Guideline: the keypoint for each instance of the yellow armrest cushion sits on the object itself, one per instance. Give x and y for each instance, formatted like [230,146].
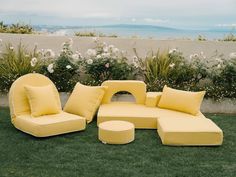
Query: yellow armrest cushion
[152,98]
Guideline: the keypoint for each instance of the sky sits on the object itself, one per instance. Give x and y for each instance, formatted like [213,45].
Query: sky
[185,14]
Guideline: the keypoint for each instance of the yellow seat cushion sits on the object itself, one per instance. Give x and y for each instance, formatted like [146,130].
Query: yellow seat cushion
[116,132]
[50,125]
[143,117]
[85,100]
[140,115]
[42,100]
[184,101]
[189,132]
[152,99]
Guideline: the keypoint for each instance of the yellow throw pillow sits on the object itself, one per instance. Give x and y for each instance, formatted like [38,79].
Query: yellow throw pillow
[42,100]
[184,101]
[85,100]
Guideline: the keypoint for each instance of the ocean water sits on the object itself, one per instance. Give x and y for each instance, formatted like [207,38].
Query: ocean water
[143,31]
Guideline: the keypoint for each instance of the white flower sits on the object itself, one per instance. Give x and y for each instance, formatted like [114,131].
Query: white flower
[232,55]
[172,51]
[218,66]
[89,61]
[91,52]
[75,56]
[33,61]
[105,49]
[50,68]
[172,65]
[105,55]
[95,39]
[115,50]
[107,65]
[135,59]
[195,55]
[68,67]
[111,46]
[11,48]
[191,57]
[99,56]
[50,53]
[219,60]
[104,44]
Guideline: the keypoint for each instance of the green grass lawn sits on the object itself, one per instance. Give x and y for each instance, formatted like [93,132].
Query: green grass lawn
[81,154]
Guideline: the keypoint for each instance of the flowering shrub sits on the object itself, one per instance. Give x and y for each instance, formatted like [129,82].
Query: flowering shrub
[216,74]
[17,62]
[64,71]
[107,62]
[171,68]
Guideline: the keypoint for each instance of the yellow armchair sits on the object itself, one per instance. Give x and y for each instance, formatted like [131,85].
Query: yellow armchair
[45,125]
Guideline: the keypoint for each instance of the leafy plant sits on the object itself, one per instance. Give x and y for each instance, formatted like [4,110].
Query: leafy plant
[16,28]
[17,62]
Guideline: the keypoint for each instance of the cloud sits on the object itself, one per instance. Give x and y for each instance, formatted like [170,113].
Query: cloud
[153,21]
[227,25]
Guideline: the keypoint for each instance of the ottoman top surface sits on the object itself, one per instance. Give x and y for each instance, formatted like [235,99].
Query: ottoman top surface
[116,125]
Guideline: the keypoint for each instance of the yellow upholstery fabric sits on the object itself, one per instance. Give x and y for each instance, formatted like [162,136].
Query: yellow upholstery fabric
[116,132]
[85,100]
[42,126]
[50,125]
[189,132]
[141,116]
[189,102]
[136,88]
[42,100]
[152,98]
[18,100]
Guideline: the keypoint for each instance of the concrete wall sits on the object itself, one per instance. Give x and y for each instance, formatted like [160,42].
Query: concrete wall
[142,45]
[226,106]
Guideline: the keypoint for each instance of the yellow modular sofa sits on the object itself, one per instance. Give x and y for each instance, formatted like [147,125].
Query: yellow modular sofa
[44,125]
[174,127]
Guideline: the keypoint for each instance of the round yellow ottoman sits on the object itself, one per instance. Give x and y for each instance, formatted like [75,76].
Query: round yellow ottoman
[116,132]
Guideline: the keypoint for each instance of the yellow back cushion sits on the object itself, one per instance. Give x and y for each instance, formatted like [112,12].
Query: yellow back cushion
[184,101]
[43,100]
[84,101]
[18,101]
[136,88]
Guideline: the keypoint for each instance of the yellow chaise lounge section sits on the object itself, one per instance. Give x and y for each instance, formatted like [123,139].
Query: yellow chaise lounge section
[143,113]
[45,125]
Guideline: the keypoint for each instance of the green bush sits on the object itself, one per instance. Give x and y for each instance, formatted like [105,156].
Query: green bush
[16,28]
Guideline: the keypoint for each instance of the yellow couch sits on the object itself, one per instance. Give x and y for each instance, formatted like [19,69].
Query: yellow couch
[145,114]
[42,126]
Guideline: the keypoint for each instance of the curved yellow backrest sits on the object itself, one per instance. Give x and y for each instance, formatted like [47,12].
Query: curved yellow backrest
[18,101]
[136,88]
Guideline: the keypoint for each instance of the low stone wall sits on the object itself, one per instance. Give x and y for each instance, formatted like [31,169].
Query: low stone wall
[225,106]
[127,44]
